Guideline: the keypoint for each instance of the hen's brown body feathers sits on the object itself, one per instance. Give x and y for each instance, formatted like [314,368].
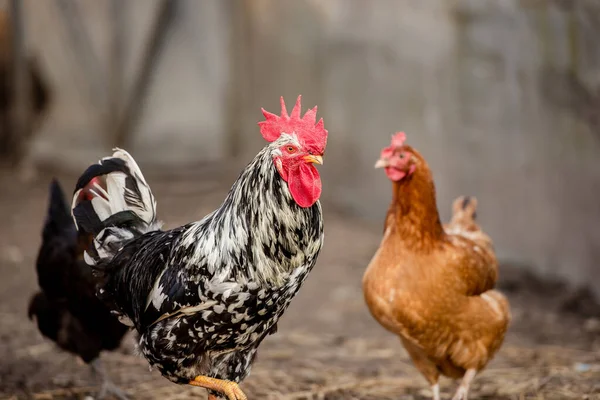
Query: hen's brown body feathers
[432,284]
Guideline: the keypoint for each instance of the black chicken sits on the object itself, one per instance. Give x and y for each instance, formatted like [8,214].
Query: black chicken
[203,296]
[66,309]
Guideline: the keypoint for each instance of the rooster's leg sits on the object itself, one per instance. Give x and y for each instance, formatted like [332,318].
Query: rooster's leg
[107,387]
[229,389]
[463,389]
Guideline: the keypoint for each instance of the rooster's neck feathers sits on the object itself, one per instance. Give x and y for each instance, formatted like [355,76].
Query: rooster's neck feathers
[258,225]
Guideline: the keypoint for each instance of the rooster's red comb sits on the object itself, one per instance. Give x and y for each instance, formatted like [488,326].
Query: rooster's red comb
[306,128]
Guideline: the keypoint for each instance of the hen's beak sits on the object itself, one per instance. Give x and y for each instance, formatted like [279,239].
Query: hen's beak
[313,159]
[382,163]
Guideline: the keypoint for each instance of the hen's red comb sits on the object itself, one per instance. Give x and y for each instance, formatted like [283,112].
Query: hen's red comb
[314,135]
[398,139]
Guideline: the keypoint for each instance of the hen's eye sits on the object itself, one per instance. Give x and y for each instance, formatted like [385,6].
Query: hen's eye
[401,155]
[291,149]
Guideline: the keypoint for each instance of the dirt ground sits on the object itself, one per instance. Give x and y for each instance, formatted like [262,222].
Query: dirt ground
[327,347]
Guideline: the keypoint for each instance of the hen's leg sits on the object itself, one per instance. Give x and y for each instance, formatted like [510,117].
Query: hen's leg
[229,389]
[463,390]
[425,366]
[107,387]
[436,391]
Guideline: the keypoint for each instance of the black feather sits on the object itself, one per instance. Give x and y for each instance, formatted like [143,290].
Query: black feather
[105,167]
[87,219]
[145,257]
[125,218]
[58,218]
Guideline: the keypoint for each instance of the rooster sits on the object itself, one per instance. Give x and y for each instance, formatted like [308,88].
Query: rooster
[203,296]
[66,308]
[433,285]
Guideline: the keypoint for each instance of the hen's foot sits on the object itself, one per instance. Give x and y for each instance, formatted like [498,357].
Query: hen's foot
[463,390]
[229,389]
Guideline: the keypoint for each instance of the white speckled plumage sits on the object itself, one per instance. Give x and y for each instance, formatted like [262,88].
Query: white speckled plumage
[203,296]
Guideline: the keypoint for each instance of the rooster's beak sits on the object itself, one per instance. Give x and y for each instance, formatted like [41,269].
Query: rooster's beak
[313,159]
[382,163]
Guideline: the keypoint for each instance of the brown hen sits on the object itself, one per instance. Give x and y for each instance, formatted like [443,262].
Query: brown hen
[433,284]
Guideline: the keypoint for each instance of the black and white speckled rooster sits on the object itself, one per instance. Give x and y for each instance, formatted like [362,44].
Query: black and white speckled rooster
[203,296]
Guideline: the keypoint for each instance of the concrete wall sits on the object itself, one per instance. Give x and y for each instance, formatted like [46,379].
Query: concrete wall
[183,118]
[501,96]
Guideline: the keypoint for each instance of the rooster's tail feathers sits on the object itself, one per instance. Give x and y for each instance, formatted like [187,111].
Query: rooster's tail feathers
[113,202]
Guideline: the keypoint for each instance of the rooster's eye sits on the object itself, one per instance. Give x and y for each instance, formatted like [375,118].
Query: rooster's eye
[401,155]
[291,149]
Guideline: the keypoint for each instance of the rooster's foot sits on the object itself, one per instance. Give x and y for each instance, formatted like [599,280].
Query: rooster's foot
[228,389]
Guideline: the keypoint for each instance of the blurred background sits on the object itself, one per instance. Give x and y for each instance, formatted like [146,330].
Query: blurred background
[502,97]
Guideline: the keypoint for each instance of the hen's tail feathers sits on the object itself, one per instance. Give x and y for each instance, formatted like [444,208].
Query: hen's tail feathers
[464,212]
[58,219]
[113,202]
